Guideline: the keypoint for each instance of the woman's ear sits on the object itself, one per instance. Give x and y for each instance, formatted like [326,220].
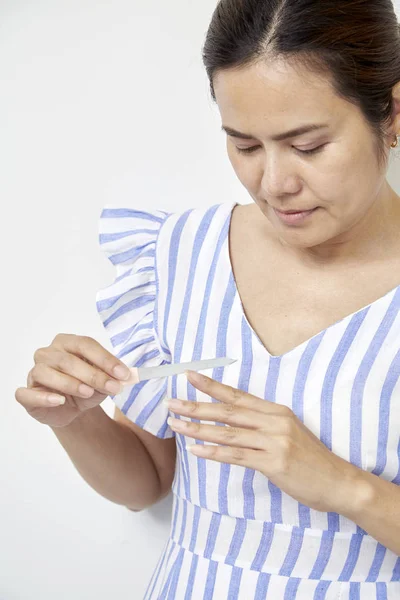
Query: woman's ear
[395,128]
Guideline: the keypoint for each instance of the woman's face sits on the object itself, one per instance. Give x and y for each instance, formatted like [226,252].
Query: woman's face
[340,175]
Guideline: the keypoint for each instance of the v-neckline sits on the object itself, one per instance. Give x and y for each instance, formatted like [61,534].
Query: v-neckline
[244,317]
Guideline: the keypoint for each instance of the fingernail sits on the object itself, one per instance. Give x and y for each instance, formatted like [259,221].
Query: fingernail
[122,372]
[113,387]
[172,403]
[85,390]
[56,400]
[194,377]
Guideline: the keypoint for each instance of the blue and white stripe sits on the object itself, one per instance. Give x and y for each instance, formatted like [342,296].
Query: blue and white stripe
[234,534]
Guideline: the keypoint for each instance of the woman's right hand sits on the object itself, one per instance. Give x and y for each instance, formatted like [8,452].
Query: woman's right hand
[77,369]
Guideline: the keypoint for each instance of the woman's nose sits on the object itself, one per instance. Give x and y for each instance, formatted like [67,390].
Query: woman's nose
[279,178]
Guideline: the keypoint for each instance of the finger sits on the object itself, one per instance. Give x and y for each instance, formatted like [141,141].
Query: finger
[280,423]
[83,371]
[219,413]
[244,457]
[88,348]
[234,396]
[228,436]
[59,382]
[30,398]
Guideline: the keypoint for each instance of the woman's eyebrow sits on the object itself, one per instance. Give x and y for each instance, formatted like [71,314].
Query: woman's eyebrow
[276,138]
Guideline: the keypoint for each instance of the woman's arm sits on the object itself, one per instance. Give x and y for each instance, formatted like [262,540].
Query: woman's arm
[111,459]
[374,504]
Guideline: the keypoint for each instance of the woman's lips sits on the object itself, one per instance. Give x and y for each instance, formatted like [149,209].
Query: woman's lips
[294,218]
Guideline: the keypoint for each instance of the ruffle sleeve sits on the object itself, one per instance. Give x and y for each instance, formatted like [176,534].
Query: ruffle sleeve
[127,308]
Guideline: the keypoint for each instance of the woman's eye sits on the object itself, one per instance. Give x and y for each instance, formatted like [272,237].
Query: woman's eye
[254,148]
[247,150]
[312,151]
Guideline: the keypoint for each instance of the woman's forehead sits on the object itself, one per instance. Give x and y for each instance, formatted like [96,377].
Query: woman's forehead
[266,95]
[277,85]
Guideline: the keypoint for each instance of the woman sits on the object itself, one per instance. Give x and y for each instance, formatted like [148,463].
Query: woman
[291,489]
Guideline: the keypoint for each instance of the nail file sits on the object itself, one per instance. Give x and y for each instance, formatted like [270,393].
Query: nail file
[145,373]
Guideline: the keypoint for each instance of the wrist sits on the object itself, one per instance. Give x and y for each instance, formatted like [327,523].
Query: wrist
[356,492]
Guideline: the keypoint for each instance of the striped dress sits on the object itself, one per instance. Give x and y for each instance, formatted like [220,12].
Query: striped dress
[234,534]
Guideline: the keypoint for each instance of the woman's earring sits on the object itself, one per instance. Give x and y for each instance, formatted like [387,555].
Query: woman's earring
[395,143]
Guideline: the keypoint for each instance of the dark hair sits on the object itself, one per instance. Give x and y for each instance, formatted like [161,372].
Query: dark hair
[354,42]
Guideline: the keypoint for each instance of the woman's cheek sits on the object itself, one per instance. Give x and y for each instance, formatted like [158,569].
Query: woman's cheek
[244,172]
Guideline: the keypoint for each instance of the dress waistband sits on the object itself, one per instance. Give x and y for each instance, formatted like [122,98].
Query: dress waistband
[284,550]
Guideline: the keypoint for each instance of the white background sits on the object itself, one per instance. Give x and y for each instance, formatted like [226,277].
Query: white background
[99,102]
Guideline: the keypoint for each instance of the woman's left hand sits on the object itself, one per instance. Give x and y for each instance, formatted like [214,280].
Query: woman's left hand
[269,438]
